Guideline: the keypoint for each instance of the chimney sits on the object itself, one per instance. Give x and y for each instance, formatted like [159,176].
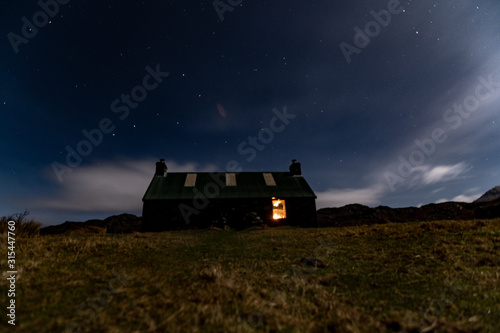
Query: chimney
[295,169]
[161,168]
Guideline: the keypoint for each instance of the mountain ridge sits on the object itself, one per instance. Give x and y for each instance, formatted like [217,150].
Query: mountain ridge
[490,195]
[348,215]
[123,223]
[356,214]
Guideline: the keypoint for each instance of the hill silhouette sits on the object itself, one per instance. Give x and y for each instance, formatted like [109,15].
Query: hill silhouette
[491,195]
[356,214]
[486,207]
[123,223]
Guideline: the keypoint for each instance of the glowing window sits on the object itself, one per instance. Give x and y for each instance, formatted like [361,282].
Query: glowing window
[279,210]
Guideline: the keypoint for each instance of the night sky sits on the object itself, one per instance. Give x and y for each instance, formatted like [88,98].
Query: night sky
[383,103]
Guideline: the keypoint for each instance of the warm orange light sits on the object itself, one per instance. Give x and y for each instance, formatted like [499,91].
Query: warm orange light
[277,216]
[279,211]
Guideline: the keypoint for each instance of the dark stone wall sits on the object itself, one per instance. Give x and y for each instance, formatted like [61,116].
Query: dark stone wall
[163,215]
[160,216]
[301,212]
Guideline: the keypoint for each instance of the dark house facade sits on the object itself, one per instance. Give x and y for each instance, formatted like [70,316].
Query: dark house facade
[197,200]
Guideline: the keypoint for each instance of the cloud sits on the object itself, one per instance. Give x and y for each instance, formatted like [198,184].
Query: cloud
[437,109]
[110,187]
[405,178]
[341,197]
[461,198]
[442,173]
[468,196]
[428,175]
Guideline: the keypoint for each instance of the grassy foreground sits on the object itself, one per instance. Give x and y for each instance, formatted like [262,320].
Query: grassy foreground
[414,277]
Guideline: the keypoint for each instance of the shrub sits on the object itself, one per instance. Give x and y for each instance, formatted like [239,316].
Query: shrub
[24,227]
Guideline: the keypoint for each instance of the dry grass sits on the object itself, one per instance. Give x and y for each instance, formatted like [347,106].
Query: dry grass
[23,227]
[415,277]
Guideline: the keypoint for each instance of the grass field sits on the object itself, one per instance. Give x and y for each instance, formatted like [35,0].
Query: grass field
[414,277]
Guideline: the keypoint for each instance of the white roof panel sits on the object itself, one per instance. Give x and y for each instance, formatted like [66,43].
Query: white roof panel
[230,179]
[269,179]
[190,180]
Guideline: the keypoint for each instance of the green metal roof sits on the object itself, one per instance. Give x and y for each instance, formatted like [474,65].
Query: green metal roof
[248,185]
